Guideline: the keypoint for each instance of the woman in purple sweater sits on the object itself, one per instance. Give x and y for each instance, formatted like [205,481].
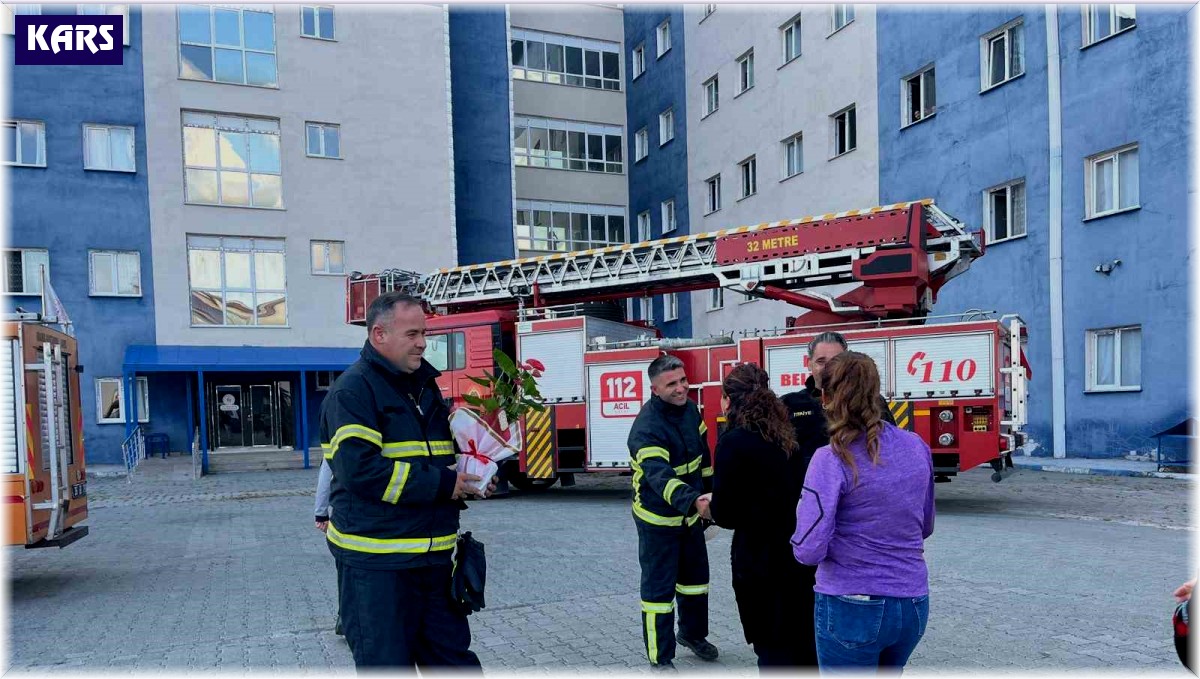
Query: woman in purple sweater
[864,514]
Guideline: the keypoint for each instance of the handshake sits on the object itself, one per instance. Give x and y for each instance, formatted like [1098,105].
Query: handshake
[702,503]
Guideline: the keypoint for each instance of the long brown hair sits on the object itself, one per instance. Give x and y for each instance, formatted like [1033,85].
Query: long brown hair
[754,406]
[851,394]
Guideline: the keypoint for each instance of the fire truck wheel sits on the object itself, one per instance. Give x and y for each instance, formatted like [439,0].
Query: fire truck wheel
[523,482]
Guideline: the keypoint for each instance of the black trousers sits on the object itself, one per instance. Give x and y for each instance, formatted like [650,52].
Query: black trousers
[674,564]
[403,619]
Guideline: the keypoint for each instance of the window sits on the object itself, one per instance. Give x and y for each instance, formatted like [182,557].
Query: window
[664,37]
[647,310]
[641,144]
[639,60]
[25,143]
[227,45]
[1004,211]
[114,273]
[713,184]
[230,160]
[1115,359]
[567,145]
[746,71]
[108,10]
[793,155]
[749,172]
[23,271]
[237,281]
[666,126]
[108,147]
[110,400]
[919,94]
[671,306]
[325,378]
[845,132]
[712,96]
[1112,179]
[842,15]
[1102,21]
[323,140]
[328,257]
[1002,54]
[564,227]
[447,351]
[716,299]
[643,228]
[565,60]
[708,9]
[791,39]
[316,22]
[668,216]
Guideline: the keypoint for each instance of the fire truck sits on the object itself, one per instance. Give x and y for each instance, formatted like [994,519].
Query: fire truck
[41,434]
[873,275]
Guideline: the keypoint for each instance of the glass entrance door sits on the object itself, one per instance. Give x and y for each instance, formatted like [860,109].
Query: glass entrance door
[262,415]
[230,416]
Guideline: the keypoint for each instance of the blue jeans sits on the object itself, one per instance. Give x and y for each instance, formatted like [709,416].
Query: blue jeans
[881,632]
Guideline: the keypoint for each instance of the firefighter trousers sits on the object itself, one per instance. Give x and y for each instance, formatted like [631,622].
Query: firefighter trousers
[674,564]
[402,619]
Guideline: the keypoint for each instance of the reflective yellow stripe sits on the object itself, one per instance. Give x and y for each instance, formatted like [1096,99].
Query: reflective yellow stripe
[405,449]
[358,543]
[652,518]
[651,607]
[348,431]
[703,428]
[644,454]
[707,471]
[395,486]
[689,467]
[441,447]
[692,589]
[651,635]
[691,521]
[672,486]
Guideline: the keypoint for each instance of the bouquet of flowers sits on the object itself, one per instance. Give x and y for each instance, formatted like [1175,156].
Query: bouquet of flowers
[488,429]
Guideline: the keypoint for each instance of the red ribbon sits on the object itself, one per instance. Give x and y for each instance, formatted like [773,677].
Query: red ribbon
[473,452]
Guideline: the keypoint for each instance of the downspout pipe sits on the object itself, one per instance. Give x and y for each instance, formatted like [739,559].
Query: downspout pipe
[1058,390]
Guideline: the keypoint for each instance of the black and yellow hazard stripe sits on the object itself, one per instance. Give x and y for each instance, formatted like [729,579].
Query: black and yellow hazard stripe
[902,412]
[539,444]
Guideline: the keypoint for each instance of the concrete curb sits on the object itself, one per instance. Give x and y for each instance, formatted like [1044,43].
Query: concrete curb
[1100,471]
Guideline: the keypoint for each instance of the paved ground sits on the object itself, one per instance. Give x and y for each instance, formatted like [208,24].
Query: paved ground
[1044,572]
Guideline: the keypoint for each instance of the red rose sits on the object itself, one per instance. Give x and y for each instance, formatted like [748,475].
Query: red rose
[537,373]
[537,365]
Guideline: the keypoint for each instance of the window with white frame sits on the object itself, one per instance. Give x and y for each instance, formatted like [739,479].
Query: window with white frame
[114,273]
[663,35]
[791,39]
[668,216]
[567,145]
[748,169]
[643,228]
[641,144]
[1102,21]
[1112,181]
[716,299]
[745,65]
[712,95]
[639,60]
[23,271]
[108,147]
[793,155]
[231,160]
[713,189]
[323,140]
[666,126]
[110,400]
[316,22]
[565,60]
[328,257]
[647,309]
[1004,211]
[842,15]
[671,306]
[109,10]
[1002,54]
[919,97]
[845,131]
[544,226]
[228,44]
[25,143]
[1114,358]
[237,281]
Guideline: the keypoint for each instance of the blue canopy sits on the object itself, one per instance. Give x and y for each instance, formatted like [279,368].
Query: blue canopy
[142,358]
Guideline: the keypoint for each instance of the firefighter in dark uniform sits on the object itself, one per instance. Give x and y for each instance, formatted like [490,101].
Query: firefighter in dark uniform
[672,468]
[395,498]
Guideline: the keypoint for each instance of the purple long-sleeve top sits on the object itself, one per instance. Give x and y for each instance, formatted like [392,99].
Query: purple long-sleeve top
[869,537]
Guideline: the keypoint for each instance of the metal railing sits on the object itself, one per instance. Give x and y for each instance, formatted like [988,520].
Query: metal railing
[133,451]
[197,459]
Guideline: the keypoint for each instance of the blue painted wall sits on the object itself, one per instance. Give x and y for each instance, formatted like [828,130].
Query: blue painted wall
[479,74]
[1131,88]
[68,211]
[662,175]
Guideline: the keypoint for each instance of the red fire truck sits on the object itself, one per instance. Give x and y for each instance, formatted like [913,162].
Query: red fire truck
[872,275]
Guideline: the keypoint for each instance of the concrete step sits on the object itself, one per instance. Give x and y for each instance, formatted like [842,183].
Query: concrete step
[219,463]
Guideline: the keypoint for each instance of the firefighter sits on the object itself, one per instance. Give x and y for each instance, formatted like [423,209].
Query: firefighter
[395,499]
[672,468]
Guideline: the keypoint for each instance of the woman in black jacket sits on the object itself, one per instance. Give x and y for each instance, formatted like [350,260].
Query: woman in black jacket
[756,487]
